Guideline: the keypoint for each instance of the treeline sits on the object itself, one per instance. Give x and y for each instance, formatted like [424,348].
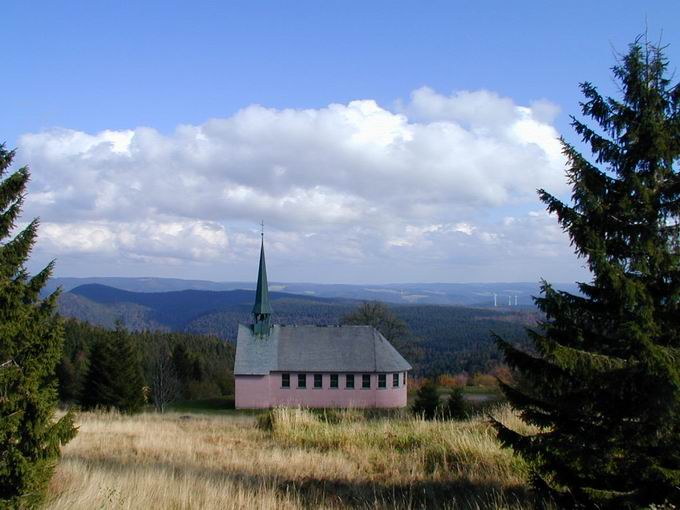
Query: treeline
[224,323]
[126,369]
[443,339]
[459,339]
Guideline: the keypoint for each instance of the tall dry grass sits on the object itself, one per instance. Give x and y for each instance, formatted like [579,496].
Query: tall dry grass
[295,459]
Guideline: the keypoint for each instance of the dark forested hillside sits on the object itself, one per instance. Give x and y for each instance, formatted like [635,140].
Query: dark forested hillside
[203,365]
[458,339]
[449,338]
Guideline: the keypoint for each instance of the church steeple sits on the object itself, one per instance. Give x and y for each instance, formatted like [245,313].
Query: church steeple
[262,311]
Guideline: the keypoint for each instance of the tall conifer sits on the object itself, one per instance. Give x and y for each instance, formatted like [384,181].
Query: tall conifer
[114,378]
[604,380]
[31,340]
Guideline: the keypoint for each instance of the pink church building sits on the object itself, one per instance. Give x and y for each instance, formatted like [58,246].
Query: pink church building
[314,366]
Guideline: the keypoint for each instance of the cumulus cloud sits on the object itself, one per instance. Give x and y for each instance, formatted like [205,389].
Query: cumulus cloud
[351,183]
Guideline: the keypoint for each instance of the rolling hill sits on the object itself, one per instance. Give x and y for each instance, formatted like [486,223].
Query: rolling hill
[462,294]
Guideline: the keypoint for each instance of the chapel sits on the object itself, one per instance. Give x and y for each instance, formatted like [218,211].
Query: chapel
[314,366]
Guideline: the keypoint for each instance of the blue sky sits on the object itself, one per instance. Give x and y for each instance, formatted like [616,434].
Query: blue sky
[93,67]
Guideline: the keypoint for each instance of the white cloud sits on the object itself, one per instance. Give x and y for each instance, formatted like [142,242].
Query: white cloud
[348,183]
[148,239]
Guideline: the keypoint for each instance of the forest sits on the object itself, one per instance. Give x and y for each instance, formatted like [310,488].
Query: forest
[442,338]
[194,366]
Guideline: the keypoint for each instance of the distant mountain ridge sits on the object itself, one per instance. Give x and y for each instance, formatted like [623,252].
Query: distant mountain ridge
[464,294]
[172,310]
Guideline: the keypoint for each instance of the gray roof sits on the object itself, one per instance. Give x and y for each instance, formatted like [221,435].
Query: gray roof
[315,349]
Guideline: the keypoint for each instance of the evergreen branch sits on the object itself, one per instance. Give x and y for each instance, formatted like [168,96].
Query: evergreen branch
[15,252]
[6,157]
[605,150]
[12,189]
[609,498]
[8,218]
[577,361]
[532,366]
[535,411]
[566,216]
[37,282]
[595,106]
[509,437]
[670,476]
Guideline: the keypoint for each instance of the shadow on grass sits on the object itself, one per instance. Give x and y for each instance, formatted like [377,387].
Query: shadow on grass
[315,491]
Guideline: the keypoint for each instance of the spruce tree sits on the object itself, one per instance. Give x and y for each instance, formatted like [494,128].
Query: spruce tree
[603,380]
[99,387]
[31,340]
[455,407]
[426,403]
[114,379]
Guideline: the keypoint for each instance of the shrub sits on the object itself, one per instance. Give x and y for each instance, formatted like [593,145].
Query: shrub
[455,407]
[427,401]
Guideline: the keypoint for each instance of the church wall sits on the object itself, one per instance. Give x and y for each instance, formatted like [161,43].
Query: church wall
[252,391]
[337,397]
[258,391]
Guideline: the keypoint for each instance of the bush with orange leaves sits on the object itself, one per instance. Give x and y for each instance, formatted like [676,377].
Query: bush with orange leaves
[453,381]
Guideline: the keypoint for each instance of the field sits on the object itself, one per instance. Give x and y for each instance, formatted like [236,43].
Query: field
[286,459]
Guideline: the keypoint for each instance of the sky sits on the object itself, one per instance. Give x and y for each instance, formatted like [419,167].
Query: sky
[380,141]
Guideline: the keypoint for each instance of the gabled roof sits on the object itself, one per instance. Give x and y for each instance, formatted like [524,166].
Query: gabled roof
[315,349]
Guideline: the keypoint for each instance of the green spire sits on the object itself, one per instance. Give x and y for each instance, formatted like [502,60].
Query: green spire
[262,309]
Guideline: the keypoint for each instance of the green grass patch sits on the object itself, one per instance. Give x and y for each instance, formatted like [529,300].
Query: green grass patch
[481,390]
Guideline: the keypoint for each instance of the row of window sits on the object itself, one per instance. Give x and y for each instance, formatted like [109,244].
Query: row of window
[349,381]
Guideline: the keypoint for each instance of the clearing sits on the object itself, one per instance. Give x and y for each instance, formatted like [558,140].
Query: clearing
[288,459]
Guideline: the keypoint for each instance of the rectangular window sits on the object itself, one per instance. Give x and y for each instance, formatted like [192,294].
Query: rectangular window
[334,380]
[318,381]
[382,380]
[366,381]
[404,379]
[285,380]
[302,381]
[395,380]
[349,381]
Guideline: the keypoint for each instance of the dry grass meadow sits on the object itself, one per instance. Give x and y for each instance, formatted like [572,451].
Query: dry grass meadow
[289,459]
